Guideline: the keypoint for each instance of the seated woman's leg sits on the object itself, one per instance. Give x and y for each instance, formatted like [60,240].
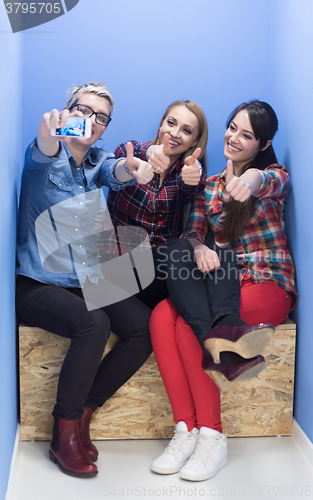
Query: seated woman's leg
[172,370]
[129,319]
[210,454]
[205,393]
[263,303]
[187,288]
[63,312]
[181,447]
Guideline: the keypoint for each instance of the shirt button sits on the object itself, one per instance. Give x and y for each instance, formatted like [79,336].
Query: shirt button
[80,246]
[80,202]
[84,263]
[152,234]
[76,216]
[76,229]
[80,187]
[60,184]
[78,168]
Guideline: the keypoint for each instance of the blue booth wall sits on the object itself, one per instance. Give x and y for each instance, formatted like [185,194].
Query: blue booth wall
[11,165]
[292,76]
[215,53]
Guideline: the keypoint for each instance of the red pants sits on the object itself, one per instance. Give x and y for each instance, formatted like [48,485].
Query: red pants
[194,397]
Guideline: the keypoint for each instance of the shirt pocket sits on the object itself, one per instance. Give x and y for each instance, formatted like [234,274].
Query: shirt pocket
[213,208]
[57,189]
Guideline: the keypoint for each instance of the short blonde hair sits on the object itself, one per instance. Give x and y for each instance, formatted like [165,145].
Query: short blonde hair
[98,88]
[203,129]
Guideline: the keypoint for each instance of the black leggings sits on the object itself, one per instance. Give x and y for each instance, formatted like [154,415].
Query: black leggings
[85,379]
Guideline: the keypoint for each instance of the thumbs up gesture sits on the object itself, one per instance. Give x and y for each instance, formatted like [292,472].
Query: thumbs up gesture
[158,156]
[140,169]
[237,187]
[192,170]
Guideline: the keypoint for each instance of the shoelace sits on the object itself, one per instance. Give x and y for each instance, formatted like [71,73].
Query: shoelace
[204,448]
[179,439]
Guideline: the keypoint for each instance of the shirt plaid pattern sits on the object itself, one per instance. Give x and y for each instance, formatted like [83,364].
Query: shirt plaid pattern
[157,206]
[262,250]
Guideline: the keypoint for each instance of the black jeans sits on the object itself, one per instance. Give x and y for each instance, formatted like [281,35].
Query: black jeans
[157,290]
[202,299]
[85,379]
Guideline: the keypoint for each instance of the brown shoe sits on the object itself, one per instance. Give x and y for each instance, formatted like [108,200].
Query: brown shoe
[84,433]
[247,341]
[70,455]
[225,374]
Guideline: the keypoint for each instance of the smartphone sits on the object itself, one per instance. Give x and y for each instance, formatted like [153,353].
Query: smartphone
[75,127]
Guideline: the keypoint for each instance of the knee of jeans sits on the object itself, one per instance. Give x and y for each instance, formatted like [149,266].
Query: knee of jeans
[94,324]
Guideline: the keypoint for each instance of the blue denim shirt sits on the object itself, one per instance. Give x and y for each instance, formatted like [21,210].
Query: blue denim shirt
[57,187]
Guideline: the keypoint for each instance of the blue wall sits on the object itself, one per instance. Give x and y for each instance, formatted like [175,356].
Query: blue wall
[292,76]
[149,57]
[11,164]
[216,53]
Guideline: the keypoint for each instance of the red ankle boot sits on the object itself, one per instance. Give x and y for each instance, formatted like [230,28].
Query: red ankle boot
[84,433]
[66,450]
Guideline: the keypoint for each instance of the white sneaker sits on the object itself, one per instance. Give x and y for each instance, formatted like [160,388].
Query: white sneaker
[209,456]
[179,449]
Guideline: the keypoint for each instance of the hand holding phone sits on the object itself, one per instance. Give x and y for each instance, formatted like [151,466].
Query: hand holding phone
[75,127]
[47,143]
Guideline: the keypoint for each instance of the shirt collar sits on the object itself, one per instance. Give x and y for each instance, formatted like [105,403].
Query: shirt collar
[223,174]
[91,156]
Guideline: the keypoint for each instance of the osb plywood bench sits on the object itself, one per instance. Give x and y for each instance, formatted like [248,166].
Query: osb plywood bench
[261,406]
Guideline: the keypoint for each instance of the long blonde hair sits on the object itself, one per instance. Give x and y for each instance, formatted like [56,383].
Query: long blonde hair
[203,130]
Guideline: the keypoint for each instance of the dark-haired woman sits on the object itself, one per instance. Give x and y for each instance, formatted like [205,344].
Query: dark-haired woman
[248,281]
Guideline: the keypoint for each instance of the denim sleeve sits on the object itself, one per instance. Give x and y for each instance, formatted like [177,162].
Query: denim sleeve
[106,175]
[36,160]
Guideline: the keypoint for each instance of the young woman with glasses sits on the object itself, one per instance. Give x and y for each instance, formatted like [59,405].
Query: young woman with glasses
[60,185]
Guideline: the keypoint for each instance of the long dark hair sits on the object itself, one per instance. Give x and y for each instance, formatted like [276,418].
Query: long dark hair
[264,123]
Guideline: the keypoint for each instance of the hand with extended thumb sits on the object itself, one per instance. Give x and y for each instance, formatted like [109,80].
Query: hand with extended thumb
[237,187]
[140,169]
[192,170]
[158,155]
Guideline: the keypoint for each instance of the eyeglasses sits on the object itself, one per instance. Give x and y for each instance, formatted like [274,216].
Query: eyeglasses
[87,112]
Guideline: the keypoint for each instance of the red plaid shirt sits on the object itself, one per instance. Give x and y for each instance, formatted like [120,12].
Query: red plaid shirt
[157,206]
[262,250]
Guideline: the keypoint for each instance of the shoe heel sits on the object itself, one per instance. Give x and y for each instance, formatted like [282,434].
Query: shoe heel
[211,345]
[52,457]
[248,346]
[220,380]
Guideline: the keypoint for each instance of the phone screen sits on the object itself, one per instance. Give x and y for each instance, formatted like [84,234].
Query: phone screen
[75,126]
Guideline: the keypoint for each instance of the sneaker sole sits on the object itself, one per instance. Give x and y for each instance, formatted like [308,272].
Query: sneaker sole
[167,471]
[190,477]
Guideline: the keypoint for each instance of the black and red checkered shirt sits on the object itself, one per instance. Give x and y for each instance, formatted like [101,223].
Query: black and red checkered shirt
[157,206]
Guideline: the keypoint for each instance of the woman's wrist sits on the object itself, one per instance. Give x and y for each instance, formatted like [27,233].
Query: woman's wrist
[126,168]
[120,173]
[252,178]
